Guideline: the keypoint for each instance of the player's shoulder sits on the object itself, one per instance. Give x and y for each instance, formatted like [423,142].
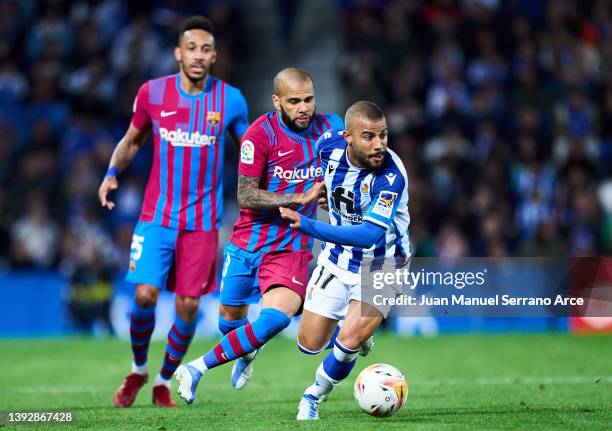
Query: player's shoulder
[393,173]
[230,90]
[160,81]
[163,79]
[261,130]
[330,140]
[157,85]
[261,121]
[331,121]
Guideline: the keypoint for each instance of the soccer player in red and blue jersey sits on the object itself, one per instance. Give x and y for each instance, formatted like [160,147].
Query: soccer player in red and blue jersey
[278,167]
[175,241]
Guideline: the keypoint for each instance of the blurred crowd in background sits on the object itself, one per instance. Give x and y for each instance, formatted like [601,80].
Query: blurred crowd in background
[500,110]
[502,113]
[69,72]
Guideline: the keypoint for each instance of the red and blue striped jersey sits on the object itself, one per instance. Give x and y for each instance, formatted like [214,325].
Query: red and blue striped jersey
[286,162]
[185,187]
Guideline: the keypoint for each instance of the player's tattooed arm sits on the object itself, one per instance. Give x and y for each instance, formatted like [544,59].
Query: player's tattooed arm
[124,153]
[250,196]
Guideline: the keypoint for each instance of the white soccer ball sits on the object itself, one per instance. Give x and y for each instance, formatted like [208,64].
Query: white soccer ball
[380,390]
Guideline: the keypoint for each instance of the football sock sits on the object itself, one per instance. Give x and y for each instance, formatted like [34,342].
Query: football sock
[332,340]
[330,344]
[308,351]
[159,380]
[142,323]
[244,340]
[179,337]
[336,366]
[226,326]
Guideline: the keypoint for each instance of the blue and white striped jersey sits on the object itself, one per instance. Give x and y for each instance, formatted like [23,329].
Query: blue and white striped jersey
[359,194]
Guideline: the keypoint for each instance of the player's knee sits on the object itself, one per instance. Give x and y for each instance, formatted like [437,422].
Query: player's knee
[228,325]
[187,307]
[146,295]
[231,312]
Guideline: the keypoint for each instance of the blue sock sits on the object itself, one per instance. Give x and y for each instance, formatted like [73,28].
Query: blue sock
[226,326]
[247,338]
[332,340]
[336,366]
[142,324]
[179,338]
[339,362]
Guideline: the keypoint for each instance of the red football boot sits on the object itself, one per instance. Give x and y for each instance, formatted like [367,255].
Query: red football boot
[126,394]
[161,397]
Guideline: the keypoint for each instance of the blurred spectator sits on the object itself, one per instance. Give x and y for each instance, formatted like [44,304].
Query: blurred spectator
[35,236]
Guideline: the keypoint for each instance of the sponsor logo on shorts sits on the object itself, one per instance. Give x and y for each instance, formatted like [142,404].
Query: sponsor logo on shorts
[309,293]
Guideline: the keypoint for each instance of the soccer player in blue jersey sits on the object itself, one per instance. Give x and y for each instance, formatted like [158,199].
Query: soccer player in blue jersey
[367,189]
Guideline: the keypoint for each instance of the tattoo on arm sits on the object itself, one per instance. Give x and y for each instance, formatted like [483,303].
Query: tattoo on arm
[250,196]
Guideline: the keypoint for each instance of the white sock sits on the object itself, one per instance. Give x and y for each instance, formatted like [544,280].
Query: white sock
[140,369]
[199,364]
[250,356]
[159,380]
[323,384]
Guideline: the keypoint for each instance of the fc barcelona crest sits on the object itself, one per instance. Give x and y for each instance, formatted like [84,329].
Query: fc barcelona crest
[213,118]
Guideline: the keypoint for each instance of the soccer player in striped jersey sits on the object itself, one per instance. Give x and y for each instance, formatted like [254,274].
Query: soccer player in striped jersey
[175,241]
[265,257]
[368,209]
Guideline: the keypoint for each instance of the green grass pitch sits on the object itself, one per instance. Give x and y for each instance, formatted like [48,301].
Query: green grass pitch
[455,382]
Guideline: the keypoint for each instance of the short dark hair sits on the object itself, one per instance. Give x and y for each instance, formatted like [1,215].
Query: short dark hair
[363,109]
[197,22]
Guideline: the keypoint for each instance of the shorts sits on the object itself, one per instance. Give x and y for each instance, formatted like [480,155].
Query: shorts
[248,275]
[329,297]
[180,261]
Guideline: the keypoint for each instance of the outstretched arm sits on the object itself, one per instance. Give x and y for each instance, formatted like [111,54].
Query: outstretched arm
[124,153]
[363,235]
[250,196]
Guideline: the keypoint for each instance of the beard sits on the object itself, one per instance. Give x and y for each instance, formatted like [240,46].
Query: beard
[194,79]
[292,125]
[366,162]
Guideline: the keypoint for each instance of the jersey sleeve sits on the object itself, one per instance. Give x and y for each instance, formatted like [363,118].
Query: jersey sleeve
[254,152]
[240,119]
[141,117]
[387,192]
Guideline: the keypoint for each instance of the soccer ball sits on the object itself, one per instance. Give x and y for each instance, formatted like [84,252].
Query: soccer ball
[380,390]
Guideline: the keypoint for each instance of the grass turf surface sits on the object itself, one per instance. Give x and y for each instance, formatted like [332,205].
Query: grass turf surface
[455,382]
